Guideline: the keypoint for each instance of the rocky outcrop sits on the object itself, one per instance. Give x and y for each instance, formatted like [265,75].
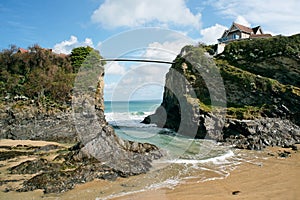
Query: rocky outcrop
[259,133]
[99,152]
[98,138]
[213,98]
[56,168]
[28,122]
[51,168]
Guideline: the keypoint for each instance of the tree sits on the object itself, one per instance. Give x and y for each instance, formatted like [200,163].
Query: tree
[41,74]
[85,57]
[78,56]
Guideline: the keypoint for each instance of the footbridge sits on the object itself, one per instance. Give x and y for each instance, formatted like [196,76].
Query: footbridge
[137,60]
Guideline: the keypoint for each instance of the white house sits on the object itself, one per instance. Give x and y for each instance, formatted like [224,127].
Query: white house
[239,32]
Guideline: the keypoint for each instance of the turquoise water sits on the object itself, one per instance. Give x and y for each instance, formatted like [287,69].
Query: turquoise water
[126,118]
[131,106]
[129,114]
[184,158]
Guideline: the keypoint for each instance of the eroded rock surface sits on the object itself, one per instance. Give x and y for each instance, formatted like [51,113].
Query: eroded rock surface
[98,152]
[234,98]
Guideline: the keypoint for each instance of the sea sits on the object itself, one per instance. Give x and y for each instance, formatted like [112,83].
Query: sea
[185,159]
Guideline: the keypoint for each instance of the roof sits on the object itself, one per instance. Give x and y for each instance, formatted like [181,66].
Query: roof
[225,33]
[243,28]
[21,50]
[255,29]
[62,55]
[260,35]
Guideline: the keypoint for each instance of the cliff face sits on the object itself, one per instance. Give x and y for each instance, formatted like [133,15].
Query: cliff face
[98,153]
[84,122]
[245,93]
[99,139]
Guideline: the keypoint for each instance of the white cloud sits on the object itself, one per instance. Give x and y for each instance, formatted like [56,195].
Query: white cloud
[88,42]
[108,90]
[241,20]
[211,34]
[141,76]
[67,45]
[281,17]
[133,13]
[110,86]
[166,51]
[114,68]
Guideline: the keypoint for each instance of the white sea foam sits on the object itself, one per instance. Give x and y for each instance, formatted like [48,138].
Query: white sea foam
[169,183]
[191,169]
[215,160]
[120,194]
[213,179]
[127,119]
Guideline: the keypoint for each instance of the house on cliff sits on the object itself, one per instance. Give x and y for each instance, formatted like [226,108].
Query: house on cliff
[239,32]
[21,50]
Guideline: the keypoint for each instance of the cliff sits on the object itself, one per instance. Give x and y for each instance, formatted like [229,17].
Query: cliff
[98,152]
[248,96]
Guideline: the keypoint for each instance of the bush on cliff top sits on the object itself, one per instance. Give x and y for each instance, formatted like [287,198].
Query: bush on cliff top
[251,50]
[41,74]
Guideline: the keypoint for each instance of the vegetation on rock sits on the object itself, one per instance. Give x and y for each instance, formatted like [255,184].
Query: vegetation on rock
[276,57]
[42,75]
[261,77]
[261,81]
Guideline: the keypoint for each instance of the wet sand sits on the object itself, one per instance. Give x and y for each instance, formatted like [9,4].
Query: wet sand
[274,178]
[277,178]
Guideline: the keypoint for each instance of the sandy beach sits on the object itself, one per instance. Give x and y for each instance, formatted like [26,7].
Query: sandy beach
[277,178]
[271,177]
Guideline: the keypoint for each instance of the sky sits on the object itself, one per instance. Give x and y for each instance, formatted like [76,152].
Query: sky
[151,29]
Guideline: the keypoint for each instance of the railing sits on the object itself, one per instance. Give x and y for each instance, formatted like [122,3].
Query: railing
[137,60]
[229,38]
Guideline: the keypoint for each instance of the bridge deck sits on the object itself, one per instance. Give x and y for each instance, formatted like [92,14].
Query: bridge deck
[137,60]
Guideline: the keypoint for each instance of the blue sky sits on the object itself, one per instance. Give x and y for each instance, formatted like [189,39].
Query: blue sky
[65,24]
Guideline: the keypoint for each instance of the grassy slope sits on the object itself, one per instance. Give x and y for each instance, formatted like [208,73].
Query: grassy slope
[261,78]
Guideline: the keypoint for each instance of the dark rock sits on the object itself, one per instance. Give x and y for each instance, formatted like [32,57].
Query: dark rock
[48,148]
[6,155]
[35,166]
[294,148]
[3,182]
[56,177]
[110,176]
[167,132]
[236,192]
[127,185]
[75,147]
[269,132]
[6,147]
[37,126]
[284,154]
[61,181]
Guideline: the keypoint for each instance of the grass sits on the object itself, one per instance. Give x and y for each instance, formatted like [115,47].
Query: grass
[247,112]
